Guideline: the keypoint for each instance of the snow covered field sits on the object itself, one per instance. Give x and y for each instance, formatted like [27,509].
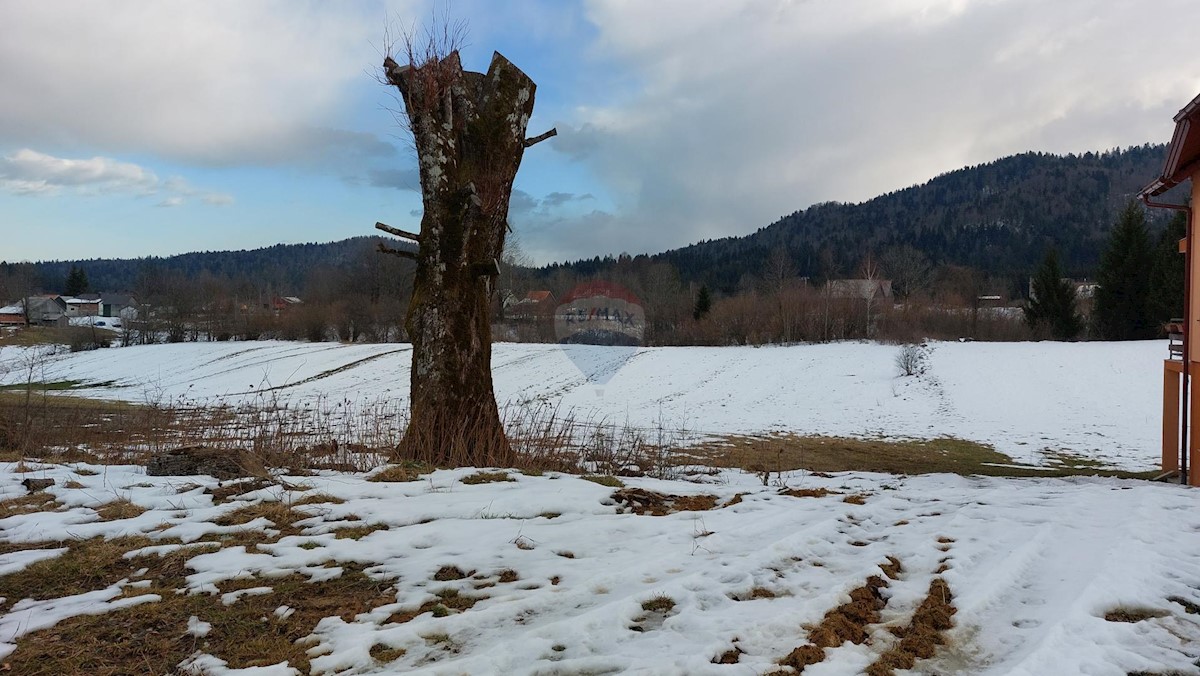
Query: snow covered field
[556,574]
[559,579]
[1097,400]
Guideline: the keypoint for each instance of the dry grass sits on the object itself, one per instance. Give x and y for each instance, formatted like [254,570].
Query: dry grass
[358,532]
[659,604]
[152,638]
[277,513]
[121,508]
[603,480]
[87,565]
[38,501]
[486,478]
[790,452]
[319,499]
[407,471]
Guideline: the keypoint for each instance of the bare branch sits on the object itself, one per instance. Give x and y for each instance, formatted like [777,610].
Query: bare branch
[541,137]
[403,253]
[398,232]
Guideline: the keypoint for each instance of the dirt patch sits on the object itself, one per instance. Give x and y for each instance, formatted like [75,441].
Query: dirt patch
[731,656]
[847,622]
[1132,615]
[644,502]
[735,500]
[892,568]
[807,492]
[923,634]
[447,573]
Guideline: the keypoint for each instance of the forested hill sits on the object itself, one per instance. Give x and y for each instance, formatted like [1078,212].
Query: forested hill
[284,268]
[998,217]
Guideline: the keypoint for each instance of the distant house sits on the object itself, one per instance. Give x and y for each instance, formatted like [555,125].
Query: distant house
[285,303]
[12,315]
[118,305]
[535,305]
[867,289]
[82,307]
[43,311]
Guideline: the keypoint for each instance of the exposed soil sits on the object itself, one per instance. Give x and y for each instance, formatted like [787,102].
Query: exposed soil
[644,502]
[923,634]
[847,622]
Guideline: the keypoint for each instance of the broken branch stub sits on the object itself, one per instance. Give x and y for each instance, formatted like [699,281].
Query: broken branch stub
[469,132]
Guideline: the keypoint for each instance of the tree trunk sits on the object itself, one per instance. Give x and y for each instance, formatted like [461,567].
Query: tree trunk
[469,133]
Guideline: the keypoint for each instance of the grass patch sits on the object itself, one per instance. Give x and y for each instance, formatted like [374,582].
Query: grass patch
[659,604]
[277,513]
[406,471]
[120,509]
[152,638]
[38,501]
[604,480]
[358,532]
[789,452]
[319,499]
[87,565]
[486,478]
[53,386]
[386,654]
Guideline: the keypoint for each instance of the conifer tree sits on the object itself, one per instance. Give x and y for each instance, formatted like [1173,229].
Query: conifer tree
[1051,308]
[77,282]
[1167,273]
[1122,310]
[703,303]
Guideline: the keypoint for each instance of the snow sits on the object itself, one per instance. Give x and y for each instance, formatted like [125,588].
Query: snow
[1097,400]
[1033,566]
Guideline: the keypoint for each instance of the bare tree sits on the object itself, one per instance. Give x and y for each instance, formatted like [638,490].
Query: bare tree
[468,131]
[908,268]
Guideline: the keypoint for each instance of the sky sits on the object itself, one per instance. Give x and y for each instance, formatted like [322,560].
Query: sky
[155,127]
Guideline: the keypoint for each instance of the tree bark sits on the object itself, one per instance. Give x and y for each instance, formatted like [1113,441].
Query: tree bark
[469,133]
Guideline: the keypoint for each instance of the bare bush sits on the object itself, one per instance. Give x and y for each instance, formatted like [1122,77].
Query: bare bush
[911,360]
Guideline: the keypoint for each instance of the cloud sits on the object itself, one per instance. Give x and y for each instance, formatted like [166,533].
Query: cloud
[29,172]
[216,199]
[733,114]
[403,179]
[557,199]
[221,82]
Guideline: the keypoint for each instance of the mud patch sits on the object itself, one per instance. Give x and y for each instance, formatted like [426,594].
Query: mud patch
[923,634]
[847,622]
[643,502]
